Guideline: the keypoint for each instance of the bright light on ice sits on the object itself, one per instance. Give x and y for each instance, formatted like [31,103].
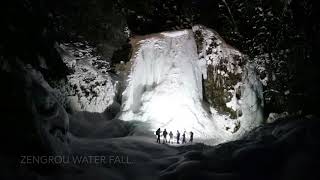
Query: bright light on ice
[165,88]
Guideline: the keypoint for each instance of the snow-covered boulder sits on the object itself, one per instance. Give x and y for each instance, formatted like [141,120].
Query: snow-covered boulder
[50,119]
[89,87]
[231,85]
[275,116]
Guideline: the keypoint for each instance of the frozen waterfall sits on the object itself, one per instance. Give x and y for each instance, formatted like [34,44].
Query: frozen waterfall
[165,88]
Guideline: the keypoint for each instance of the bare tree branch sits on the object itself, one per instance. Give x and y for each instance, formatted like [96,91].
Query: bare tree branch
[231,16]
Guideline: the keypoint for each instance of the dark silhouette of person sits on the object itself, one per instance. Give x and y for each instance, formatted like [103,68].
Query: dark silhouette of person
[158,135]
[184,137]
[178,137]
[164,136]
[170,137]
[191,136]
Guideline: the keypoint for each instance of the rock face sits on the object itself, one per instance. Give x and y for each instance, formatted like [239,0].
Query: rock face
[38,122]
[224,66]
[171,76]
[230,83]
[49,116]
[89,87]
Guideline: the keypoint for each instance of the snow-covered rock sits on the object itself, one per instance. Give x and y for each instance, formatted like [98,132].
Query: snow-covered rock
[231,85]
[275,116]
[89,88]
[50,119]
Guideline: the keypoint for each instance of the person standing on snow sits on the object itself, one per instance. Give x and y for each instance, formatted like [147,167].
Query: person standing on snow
[191,137]
[178,137]
[170,137]
[184,137]
[164,136]
[158,135]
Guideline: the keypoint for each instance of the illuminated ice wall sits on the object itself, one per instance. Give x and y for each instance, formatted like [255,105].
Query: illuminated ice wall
[165,88]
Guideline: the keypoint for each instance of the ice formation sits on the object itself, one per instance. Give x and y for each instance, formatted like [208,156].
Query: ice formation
[89,87]
[164,87]
[165,90]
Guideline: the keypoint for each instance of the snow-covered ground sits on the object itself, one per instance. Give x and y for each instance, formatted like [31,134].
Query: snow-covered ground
[165,90]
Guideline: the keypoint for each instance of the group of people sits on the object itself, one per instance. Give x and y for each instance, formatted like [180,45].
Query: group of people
[171,140]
